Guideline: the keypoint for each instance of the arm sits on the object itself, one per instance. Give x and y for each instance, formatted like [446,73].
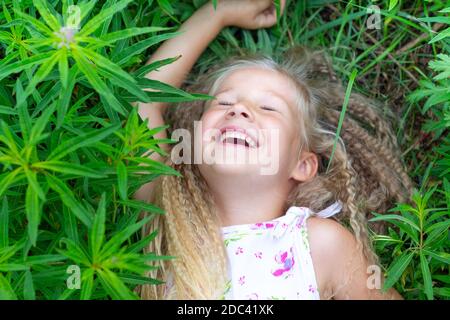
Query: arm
[347,270]
[197,32]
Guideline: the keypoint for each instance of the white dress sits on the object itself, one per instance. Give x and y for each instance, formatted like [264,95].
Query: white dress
[272,259]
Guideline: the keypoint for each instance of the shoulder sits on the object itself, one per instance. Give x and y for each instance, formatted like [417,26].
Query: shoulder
[340,265]
[329,243]
[329,238]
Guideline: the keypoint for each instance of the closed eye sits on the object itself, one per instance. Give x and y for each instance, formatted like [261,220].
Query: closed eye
[225,103]
[268,108]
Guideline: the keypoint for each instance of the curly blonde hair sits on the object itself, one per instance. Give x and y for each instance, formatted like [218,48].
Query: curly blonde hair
[365,174]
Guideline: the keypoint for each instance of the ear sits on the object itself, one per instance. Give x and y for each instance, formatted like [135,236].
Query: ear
[306,167]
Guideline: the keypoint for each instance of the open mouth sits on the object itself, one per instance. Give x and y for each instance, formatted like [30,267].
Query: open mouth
[237,138]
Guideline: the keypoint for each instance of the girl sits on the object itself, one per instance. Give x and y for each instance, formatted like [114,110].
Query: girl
[236,233]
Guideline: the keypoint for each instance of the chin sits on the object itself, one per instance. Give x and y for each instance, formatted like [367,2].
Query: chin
[233,169]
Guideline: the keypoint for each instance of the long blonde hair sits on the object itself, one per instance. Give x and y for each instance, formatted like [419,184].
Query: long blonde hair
[365,174]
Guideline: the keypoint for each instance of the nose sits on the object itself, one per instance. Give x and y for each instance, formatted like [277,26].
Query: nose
[239,109]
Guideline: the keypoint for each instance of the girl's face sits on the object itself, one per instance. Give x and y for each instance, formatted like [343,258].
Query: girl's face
[252,124]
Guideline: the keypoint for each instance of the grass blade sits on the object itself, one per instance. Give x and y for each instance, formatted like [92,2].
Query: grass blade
[344,109]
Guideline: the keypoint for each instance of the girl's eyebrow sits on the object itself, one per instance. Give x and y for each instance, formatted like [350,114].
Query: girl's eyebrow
[223,91]
[271,92]
[277,96]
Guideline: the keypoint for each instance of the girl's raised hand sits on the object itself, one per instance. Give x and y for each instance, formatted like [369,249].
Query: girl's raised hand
[248,14]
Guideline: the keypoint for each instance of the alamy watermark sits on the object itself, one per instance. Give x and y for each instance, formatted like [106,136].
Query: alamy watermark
[374,19]
[73,281]
[215,146]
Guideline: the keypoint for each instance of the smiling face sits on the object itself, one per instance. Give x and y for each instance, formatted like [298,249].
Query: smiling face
[254,116]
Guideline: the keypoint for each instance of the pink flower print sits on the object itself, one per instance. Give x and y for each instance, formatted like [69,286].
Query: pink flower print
[258,255]
[300,222]
[311,288]
[239,250]
[285,260]
[253,296]
[263,225]
[242,280]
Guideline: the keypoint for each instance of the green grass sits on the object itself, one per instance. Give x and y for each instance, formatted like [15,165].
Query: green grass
[70,141]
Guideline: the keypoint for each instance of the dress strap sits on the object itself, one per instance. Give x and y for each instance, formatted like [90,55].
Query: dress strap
[329,211]
[295,216]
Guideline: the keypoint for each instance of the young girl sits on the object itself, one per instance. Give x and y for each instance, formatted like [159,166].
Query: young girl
[299,232]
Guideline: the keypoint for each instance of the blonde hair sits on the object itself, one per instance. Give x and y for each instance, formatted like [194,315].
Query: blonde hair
[365,174]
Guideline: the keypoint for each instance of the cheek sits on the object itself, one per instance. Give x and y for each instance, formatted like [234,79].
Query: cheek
[208,125]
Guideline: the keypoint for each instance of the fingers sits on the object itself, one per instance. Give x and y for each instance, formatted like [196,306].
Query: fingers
[263,5]
[266,19]
[271,10]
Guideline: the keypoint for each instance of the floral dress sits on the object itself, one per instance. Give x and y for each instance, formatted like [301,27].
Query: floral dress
[272,260]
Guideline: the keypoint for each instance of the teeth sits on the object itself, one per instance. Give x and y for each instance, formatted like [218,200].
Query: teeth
[238,135]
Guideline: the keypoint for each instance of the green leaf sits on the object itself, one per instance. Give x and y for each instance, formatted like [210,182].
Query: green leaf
[35,23]
[440,36]
[23,64]
[89,70]
[122,180]
[440,256]
[97,232]
[142,205]
[97,21]
[42,72]
[33,211]
[443,292]
[34,184]
[87,284]
[41,123]
[28,287]
[10,178]
[392,4]
[22,111]
[43,259]
[439,226]
[143,243]
[138,280]
[389,217]
[75,252]
[45,13]
[426,276]
[116,241]
[4,224]
[70,224]
[83,140]
[6,291]
[7,137]
[141,46]
[69,168]
[63,66]
[161,86]
[8,267]
[397,268]
[154,66]
[114,286]
[128,33]
[154,166]
[69,200]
